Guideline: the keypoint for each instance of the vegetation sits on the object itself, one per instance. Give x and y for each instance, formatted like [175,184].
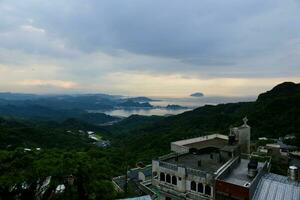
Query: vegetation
[38,112]
[65,150]
[32,151]
[274,114]
[22,171]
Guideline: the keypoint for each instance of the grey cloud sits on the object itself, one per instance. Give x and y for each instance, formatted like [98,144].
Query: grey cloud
[207,35]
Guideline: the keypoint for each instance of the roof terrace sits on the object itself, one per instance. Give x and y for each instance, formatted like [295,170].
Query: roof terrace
[204,162]
[239,174]
[213,140]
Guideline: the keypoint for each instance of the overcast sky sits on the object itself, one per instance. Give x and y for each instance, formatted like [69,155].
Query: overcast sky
[153,47]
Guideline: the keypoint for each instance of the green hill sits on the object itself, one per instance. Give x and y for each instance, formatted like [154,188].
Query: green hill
[66,150]
[274,114]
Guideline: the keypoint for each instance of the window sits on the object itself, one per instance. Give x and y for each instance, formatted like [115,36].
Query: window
[207,190]
[174,180]
[168,178]
[168,198]
[200,187]
[162,177]
[193,185]
[154,174]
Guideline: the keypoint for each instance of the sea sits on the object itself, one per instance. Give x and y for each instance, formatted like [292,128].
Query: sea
[189,103]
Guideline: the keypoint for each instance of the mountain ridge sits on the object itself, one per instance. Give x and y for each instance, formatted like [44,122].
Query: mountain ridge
[275,116]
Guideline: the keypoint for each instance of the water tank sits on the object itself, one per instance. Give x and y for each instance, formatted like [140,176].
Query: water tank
[231,139]
[252,168]
[293,173]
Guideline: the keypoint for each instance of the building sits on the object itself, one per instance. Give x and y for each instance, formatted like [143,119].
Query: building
[209,167]
[279,148]
[146,197]
[217,166]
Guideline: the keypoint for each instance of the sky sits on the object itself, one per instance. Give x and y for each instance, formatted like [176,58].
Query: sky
[149,47]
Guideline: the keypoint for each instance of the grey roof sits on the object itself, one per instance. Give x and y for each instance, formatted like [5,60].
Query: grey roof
[230,148]
[147,197]
[190,160]
[277,187]
[239,175]
[285,146]
[134,173]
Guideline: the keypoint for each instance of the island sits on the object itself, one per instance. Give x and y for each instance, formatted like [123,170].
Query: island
[197,94]
[140,99]
[133,104]
[175,107]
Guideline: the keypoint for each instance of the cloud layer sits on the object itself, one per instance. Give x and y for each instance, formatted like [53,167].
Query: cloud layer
[124,46]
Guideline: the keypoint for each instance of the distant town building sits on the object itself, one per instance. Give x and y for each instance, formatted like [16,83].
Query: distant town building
[289,137]
[280,148]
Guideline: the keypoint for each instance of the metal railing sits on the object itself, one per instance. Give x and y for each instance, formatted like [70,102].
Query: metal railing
[168,165]
[167,156]
[196,172]
[192,195]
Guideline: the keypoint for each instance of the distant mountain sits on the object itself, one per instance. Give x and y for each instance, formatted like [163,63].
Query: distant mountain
[61,107]
[37,112]
[197,94]
[275,113]
[134,104]
[175,107]
[17,96]
[141,99]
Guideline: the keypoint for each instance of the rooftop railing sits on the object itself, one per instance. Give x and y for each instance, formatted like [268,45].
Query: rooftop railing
[167,156]
[196,172]
[168,165]
[189,171]
[199,139]
[194,195]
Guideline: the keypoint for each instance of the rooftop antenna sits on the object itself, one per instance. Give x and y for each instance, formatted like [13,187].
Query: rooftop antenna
[245,120]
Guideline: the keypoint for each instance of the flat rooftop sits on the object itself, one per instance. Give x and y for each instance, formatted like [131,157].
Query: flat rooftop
[239,175]
[200,139]
[215,142]
[190,160]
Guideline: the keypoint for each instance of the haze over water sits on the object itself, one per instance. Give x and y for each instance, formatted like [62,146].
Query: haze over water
[189,102]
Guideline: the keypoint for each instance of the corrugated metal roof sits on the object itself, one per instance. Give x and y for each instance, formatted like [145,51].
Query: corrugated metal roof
[147,197]
[277,187]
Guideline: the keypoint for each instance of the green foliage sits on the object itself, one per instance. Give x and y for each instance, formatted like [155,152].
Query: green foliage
[275,114]
[65,151]
[16,133]
[91,169]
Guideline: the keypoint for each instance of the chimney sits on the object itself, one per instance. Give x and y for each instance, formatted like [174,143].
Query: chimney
[231,140]
[232,136]
[252,168]
[293,173]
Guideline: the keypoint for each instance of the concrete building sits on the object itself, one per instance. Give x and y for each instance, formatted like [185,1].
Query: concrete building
[207,167]
[216,166]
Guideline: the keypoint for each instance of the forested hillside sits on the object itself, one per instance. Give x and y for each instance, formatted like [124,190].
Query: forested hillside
[66,151]
[274,114]
[33,151]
